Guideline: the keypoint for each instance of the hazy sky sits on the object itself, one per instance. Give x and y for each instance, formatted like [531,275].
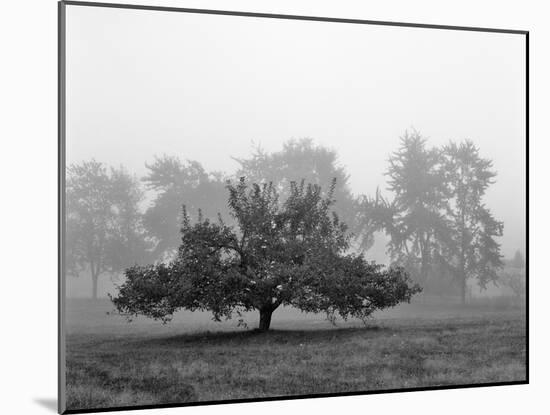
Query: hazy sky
[205,87]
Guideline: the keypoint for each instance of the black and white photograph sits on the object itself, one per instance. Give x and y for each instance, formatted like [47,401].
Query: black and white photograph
[258,207]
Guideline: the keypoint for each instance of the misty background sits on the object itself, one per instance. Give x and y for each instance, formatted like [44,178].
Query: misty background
[142,84]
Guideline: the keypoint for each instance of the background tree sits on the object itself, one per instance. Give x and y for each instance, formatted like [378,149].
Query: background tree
[513,275]
[290,253]
[413,220]
[470,249]
[176,183]
[518,261]
[302,159]
[104,232]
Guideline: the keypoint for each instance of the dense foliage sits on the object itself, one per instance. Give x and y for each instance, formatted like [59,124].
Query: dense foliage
[292,253]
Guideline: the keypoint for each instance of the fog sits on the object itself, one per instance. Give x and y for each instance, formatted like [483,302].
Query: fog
[209,88]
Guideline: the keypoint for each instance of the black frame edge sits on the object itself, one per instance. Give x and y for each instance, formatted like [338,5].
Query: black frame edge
[527,276]
[292,17]
[293,397]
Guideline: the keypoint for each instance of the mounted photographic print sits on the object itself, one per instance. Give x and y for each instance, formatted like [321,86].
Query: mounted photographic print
[259,207]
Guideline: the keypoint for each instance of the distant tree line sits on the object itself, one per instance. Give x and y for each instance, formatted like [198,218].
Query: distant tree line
[436,223]
[94,221]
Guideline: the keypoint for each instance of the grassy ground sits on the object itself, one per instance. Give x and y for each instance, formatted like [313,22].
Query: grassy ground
[113,363]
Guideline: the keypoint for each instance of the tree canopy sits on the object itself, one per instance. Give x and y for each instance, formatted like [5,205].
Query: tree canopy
[278,253]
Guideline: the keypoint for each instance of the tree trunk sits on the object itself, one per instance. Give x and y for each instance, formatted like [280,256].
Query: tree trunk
[265,319]
[94,286]
[463,277]
[463,289]
[424,269]
[424,243]
[463,256]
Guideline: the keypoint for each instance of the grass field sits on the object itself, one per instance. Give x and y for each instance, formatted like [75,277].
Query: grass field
[114,363]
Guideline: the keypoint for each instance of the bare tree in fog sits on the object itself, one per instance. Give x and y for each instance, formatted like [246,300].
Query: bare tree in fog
[178,183]
[104,232]
[470,250]
[280,254]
